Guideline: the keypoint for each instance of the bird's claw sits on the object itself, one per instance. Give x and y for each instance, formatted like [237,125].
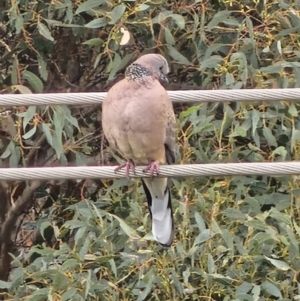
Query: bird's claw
[153,168]
[129,165]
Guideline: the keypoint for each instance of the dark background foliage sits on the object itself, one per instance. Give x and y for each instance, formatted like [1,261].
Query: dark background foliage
[237,238]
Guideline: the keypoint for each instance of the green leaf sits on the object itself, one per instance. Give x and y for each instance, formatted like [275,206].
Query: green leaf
[97,23]
[97,60]
[280,217]
[211,264]
[43,227]
[36,84]
[169,37]
[281,265]
[257,225]
[14,158]
[80,159]
[19,23]
[27,116]
[211,62]
[251,29]
[69,294]
[239,131]
[30,133]
[5,285]
[218,17]
[69,117]
[200,222]
[255,119]
[46,130]
[281,151]
[57,144]
[44,31]
[271,289]
[94,42]
[211,49]
[176,55]
[8,150]
[130,232]
[295,138]
[87,5]
[202,237]
[42,68]
[117,13]
[293,110]
[234,214]
[114,66]
[142,7]
[162,16]
[269,136]
[113,267]
[228,240]
[229,79]
[179,20]
[61,24]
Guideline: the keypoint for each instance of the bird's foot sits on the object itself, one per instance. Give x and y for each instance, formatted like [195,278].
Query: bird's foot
[153,168]
[129,165]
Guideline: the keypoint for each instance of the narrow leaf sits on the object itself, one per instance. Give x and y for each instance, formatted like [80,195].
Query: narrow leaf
[281,265]
[179,20]
[44,31]
[30,133]
[97,23]
[117,13]
[87,5]
[46,130]
[42,68]
[36,84]
[176,55]
[218,17]
[28,116]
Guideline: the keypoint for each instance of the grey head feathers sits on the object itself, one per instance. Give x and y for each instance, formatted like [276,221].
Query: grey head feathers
[154,65]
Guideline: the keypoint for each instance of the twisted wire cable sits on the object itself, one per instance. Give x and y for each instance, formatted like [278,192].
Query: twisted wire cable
[174,171]
[197,96]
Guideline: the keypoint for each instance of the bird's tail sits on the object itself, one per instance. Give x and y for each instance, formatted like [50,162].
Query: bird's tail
[159,201]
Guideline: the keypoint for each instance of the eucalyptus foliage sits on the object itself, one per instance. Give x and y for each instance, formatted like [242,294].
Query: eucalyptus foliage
[237,238]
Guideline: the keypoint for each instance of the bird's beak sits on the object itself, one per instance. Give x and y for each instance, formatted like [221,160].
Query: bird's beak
[164,80]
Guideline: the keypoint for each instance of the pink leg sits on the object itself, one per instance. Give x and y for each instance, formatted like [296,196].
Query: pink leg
[129,165]
[153,168]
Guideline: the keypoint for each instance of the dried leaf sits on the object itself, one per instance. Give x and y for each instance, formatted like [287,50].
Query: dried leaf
[22,89]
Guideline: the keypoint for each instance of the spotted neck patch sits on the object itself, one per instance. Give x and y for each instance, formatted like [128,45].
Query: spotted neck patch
[136,72]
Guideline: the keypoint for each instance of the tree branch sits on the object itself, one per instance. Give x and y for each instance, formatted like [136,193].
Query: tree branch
[6,244]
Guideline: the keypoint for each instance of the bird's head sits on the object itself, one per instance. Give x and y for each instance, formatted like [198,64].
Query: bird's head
[151,65]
